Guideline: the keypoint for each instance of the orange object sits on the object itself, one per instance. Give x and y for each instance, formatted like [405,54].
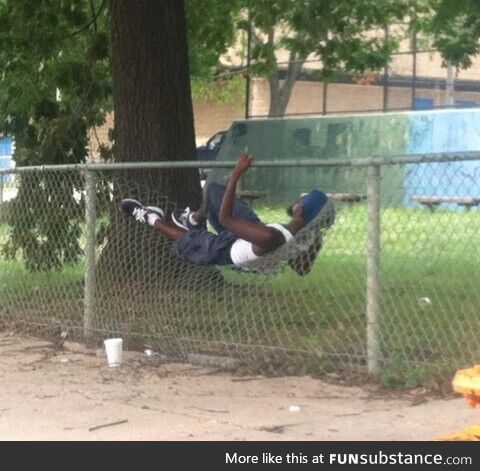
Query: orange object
[470,434]
[467,382]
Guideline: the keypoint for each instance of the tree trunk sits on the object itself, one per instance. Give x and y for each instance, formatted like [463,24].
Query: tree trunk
[279,97]
[280,94]
[153,122]
[153,104]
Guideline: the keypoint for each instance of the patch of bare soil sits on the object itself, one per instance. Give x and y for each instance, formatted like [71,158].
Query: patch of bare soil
[48,392]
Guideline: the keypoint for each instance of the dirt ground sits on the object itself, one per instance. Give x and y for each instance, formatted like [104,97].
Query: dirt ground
[47,393]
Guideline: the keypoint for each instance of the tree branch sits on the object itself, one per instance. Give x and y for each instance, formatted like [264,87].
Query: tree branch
[295,64]
[93,21]
[255,37]
[94,15]
[273,78]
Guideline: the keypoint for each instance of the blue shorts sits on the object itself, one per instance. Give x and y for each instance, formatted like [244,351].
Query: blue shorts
[206,248]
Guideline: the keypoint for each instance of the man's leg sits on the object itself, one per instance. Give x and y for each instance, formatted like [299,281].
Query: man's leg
[200,216]
[198,246]
[170,230]
[204,248]
[152,216]
[188,219]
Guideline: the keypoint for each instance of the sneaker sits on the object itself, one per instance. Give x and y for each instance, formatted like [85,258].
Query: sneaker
[183,219]
[141,213]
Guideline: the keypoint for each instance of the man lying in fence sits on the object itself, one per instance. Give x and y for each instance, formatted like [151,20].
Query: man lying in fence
[241,235]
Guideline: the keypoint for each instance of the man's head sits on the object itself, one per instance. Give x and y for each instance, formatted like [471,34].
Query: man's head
[307,207]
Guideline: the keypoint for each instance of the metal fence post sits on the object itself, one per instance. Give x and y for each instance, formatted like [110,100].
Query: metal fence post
[374,355]
[90,249]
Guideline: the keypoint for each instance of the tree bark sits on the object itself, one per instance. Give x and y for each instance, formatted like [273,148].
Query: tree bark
[280,94]
[153,104]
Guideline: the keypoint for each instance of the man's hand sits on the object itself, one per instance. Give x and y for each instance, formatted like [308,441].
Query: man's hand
[242,165]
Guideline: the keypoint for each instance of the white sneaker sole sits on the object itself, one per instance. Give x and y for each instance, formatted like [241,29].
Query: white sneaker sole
[178,223]
[159,211]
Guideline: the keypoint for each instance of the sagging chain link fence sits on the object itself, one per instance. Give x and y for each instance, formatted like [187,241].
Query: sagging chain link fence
[394,290]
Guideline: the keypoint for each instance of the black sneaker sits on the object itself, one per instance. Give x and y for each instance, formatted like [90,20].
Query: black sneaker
[182,219]
[136,210]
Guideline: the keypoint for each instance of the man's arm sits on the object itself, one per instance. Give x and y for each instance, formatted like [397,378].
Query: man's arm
[262,237]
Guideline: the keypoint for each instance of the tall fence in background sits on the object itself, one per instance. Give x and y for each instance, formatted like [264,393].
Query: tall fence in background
[415,78]
[394,290]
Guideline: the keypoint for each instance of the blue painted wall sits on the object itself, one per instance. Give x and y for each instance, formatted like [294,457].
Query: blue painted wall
[443,131]
[6,156]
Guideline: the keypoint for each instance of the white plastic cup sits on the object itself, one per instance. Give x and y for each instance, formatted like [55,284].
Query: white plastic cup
[113,347]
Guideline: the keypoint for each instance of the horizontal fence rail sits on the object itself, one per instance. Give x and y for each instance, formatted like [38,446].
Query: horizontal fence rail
[354,162]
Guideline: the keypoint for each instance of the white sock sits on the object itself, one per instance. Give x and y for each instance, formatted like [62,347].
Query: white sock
[152,218]
[191,220]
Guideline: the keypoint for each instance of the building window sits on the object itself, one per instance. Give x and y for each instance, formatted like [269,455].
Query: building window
[423,104]
[465,104]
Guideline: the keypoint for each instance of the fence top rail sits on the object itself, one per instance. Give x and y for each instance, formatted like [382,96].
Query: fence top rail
[352,162]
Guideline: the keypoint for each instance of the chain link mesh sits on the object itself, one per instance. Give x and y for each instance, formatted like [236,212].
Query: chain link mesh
[270,319]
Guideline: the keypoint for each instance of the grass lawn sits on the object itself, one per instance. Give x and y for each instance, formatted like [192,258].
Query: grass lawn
[424,255]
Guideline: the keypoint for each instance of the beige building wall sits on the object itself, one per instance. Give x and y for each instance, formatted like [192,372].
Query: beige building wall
[348,97]
[210,117]
[99,136]
[307,97]
[430,64]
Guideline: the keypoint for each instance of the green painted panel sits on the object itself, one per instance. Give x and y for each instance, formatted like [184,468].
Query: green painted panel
[322,137]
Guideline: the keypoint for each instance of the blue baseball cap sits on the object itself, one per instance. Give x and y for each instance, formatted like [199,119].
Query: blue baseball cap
[312,203]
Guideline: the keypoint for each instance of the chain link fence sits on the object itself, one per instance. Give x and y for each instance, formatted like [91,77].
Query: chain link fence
[394,290]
